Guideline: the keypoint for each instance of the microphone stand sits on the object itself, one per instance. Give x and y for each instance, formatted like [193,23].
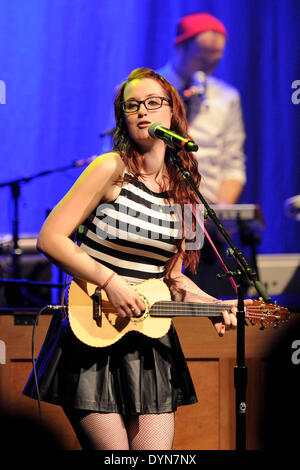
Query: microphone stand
[243,270]
[15,190]
[16,251]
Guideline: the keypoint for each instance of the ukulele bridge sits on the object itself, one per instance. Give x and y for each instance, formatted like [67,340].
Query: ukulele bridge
[97,306]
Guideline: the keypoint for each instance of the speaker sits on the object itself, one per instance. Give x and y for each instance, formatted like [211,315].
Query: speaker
[33,267]
[280,274]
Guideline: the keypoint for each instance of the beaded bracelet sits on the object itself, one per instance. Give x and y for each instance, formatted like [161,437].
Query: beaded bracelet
[108,280]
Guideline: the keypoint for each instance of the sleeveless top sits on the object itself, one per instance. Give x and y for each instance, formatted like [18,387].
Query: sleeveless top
[135,235]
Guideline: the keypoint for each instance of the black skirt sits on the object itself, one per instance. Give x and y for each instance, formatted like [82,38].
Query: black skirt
[136,375]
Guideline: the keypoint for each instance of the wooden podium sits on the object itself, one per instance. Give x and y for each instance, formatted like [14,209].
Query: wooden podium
[207,425]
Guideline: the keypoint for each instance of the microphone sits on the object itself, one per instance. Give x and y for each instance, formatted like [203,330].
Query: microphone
[173,140]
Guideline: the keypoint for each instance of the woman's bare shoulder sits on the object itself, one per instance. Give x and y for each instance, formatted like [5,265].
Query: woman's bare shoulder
[110,162]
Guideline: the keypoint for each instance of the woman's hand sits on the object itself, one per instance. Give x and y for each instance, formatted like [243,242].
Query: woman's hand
[183,289]
[124,299]
[229,317]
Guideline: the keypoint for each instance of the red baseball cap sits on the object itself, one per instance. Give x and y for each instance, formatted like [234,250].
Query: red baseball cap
[196,23]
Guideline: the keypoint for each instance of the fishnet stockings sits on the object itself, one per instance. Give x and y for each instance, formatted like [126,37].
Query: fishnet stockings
[109,431]
[151,432]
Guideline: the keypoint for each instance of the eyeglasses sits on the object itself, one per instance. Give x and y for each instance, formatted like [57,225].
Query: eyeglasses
[153,102]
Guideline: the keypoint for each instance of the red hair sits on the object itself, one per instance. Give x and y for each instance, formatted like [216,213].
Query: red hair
[179,191]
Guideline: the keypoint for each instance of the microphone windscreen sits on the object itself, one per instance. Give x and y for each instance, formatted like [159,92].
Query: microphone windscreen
[152,128]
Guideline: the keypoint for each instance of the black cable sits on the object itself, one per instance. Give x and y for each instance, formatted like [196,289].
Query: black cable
[47,307]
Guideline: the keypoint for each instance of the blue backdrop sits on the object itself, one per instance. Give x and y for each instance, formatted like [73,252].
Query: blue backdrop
[60,61]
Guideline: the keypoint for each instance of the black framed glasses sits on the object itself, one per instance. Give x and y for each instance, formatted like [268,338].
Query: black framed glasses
[151,103]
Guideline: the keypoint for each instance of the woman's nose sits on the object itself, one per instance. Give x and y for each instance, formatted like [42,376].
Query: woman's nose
[142,109]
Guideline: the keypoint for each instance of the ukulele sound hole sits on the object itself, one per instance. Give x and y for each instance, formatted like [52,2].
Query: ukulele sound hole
[141,314]
[140,317]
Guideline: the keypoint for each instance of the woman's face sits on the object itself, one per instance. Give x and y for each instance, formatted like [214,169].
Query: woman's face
[139,121]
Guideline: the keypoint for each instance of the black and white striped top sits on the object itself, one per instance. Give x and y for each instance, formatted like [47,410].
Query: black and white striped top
[135,235]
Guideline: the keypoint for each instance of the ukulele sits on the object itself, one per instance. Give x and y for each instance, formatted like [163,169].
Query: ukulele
[94,322]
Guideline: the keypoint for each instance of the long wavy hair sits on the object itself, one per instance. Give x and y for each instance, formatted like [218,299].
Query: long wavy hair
[179,192]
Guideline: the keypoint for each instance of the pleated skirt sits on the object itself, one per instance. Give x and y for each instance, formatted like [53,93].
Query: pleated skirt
[136,375]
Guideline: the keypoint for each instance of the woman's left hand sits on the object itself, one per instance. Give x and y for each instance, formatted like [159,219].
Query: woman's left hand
[183,289]
[229,316]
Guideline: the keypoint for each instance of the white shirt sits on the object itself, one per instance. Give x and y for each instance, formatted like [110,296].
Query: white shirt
[217,129]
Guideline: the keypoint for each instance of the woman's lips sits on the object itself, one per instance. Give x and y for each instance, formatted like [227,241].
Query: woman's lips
[143,124]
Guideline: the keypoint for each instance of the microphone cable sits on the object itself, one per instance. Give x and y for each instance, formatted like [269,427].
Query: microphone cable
[61,307]
[47,307]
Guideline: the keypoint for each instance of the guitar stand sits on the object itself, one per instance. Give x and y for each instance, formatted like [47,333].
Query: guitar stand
[243,271]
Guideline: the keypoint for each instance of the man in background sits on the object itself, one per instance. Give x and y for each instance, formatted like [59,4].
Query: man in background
[215,119]
[213,106]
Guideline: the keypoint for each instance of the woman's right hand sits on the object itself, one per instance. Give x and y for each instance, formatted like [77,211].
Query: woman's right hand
[124,299]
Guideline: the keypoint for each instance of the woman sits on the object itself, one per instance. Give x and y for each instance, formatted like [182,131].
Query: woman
[124,396]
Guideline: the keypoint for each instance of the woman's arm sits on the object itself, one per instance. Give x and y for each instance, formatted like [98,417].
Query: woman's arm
[184,289]
[96,184]
[90,188]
